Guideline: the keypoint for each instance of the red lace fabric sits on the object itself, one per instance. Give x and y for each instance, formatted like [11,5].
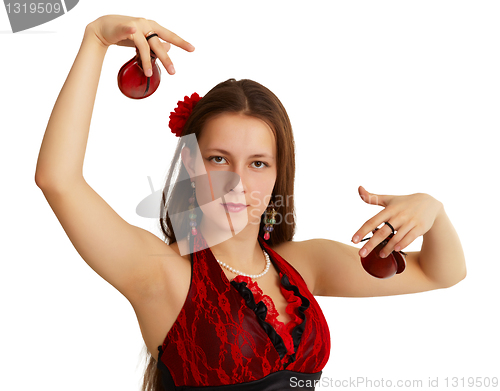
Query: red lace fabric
[284,330]
[218,339]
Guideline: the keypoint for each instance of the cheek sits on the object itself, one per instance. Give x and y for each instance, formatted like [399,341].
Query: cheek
[261,195]
[200,166]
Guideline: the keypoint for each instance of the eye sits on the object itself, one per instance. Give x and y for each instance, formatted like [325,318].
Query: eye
[214,157]
[261,165]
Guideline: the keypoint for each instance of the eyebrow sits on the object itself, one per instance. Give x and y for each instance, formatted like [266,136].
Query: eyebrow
[228,153]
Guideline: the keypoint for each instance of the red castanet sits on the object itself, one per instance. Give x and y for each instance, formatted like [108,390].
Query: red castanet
[132,81]
[387,267]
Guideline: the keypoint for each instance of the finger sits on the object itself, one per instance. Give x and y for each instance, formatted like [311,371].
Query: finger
[124,34]
[171,37]
[161,53]
[408,238]
[370,225]
[144,49]
[398,236]
[125,31]
[372,198]
[166,46]
[378,237]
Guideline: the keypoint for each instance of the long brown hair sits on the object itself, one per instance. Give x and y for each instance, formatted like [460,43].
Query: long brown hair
[252,99]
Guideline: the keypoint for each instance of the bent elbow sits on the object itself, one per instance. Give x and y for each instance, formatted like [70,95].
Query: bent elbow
[456,281]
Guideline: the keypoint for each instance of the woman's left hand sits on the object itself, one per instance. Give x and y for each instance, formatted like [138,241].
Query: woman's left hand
[410,215]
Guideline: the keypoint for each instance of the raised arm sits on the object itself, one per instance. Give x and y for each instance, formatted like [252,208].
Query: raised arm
[119,252]
[439,264]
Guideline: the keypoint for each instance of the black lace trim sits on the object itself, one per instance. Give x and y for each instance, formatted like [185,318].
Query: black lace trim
[260,310]
[299,329]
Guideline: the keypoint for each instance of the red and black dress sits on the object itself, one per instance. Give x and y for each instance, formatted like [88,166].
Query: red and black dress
[227,336]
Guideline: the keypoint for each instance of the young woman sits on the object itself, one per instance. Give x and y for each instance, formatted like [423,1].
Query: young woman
[227,301]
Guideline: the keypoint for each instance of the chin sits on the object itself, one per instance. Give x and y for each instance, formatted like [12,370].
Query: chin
[220,223]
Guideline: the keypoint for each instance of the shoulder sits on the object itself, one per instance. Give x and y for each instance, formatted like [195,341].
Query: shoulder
[299,255]
[315,258]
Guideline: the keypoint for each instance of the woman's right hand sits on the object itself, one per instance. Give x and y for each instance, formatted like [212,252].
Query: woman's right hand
[131,31]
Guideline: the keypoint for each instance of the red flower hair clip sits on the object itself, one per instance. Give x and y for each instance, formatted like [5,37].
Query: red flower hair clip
[181,113]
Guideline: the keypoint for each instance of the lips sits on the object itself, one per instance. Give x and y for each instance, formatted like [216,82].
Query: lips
[234,208]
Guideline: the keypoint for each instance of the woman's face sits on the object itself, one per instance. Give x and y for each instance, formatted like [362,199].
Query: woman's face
[234,144]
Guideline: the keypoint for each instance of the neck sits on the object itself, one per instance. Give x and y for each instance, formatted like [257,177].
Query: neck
[241,251]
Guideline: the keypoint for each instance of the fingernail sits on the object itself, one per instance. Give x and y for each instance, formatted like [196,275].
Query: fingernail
[397,248]
[382,255]
[171,69]
[149,72]
[363,252]
[355,238]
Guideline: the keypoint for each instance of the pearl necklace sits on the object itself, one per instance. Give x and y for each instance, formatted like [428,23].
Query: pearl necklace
[268,264]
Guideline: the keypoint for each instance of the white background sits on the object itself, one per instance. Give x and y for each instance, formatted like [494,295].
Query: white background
[398,96]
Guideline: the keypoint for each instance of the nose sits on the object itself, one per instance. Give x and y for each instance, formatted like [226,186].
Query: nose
[239,188]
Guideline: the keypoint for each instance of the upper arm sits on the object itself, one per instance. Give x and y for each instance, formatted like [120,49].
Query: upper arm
[113,248]
[338,272]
